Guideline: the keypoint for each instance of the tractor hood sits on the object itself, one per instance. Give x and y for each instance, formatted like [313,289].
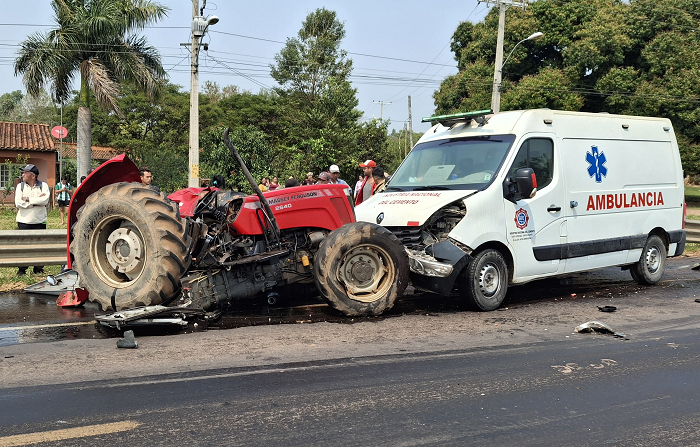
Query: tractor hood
[406,208]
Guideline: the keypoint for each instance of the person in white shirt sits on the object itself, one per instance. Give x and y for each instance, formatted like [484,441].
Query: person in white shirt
[31,198]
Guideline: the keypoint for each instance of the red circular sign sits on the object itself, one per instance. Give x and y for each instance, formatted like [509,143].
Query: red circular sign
[59,132]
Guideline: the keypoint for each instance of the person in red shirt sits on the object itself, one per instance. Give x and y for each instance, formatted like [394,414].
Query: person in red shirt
[368,184]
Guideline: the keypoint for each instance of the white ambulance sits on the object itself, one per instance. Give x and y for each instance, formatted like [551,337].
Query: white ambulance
[486,200]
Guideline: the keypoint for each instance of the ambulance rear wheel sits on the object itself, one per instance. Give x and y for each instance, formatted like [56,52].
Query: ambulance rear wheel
[485,282]
[650,267]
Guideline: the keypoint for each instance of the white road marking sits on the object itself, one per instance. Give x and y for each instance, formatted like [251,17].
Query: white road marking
[67,433]
[41,326]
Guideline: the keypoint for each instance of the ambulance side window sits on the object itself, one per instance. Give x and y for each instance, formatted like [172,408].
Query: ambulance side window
[538,154]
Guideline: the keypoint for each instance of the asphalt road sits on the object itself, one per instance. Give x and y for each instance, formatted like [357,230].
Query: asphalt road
[593,391]
[431,373]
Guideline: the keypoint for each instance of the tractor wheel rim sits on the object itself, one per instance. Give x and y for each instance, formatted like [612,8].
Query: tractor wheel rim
[118,251]
[367,272]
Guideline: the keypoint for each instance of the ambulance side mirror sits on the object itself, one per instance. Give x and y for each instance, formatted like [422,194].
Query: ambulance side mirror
[522,185]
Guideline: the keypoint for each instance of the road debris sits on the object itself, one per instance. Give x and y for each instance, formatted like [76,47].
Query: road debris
[607,308]
[597,326]
[128,342]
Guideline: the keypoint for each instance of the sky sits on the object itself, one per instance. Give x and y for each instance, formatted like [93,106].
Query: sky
[398,48]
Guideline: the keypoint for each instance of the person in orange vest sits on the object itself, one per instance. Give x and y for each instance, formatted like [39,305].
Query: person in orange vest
[368,184]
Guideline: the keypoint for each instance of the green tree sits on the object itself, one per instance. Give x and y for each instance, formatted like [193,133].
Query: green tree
[637,57]
[217,159]
[9,102]
[95,39]
[317,102]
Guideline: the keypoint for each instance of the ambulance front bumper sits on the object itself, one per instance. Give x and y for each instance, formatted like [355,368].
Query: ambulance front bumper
[437,267]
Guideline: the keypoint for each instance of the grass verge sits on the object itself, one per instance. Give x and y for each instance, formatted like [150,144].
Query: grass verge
[692,194]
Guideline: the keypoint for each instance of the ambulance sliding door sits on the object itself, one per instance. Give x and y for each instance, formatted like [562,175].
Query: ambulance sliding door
[615,190]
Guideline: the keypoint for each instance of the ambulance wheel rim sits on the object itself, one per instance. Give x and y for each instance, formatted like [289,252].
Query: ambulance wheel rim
[652,259]
[489,280]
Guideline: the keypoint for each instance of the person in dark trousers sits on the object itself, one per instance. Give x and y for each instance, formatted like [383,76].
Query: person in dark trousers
[63,192]
[31,198]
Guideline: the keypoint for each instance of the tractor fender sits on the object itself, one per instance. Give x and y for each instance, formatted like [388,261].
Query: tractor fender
[118,169]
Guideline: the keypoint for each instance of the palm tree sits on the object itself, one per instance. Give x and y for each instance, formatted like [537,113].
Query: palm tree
[95,38]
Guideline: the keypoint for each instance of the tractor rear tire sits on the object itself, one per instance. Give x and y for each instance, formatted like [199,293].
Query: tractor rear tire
[361,269]
[130,246]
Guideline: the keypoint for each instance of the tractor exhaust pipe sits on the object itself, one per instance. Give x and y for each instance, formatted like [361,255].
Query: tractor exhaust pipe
[254,185]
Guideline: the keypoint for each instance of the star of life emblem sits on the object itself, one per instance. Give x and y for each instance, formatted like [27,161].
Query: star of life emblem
[596,164]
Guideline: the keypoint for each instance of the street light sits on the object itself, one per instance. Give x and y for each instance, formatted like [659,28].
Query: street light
[199,27]
[498,74]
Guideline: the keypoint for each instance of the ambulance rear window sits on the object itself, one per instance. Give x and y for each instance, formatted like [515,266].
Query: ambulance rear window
[457,163]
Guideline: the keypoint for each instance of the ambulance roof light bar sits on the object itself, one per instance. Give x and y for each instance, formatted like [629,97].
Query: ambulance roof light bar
[450,120]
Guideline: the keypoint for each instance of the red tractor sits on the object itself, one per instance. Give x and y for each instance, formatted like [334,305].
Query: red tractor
[206,248]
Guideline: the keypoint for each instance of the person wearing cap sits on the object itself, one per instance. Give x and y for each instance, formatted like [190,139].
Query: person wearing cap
[309,180]
[31,198]
[323,178]
[334,171]
[367,185]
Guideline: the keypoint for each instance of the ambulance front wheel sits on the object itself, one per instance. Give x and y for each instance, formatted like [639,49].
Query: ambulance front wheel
[486,280]
[650,267]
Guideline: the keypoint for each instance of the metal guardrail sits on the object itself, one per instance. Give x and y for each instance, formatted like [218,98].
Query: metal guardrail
[32,247]
[692,231]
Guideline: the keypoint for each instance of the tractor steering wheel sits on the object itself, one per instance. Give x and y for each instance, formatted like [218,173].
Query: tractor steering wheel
[205,203]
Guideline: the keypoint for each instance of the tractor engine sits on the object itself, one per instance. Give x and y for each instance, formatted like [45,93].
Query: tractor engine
[227,266]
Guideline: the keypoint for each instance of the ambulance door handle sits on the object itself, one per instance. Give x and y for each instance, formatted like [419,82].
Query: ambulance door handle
[554,209]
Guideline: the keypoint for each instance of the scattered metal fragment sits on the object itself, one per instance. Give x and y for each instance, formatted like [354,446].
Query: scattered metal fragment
[128,342]
[696,266]
[697,300]
[597,326]
[607,308]
[152,316]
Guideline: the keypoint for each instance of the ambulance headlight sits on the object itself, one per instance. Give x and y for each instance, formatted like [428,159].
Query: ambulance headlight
[428,267]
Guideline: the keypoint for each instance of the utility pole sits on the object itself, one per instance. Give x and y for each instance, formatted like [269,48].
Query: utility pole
[381,113]
[193,178]
[405,144]
[199,27]
[410,122]
[497,74]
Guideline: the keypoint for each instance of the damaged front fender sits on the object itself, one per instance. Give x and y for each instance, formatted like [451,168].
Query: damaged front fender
[437,267]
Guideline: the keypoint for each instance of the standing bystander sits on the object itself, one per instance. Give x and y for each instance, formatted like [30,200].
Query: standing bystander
[309,180]
[358,185]
[323,178]
[63,192]
[147,177]
[31,198]
[366,188]
[379,179]
[335,173]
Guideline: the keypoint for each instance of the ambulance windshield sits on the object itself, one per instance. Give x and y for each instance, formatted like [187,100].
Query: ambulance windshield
[457,163]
